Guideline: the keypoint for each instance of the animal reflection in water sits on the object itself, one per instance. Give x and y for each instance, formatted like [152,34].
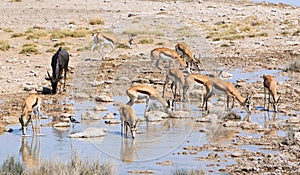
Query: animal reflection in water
[270,124]
[31,152]
[128,150]
[219,134]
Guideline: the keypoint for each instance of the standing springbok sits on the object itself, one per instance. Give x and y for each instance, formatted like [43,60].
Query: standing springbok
[111,40]
[216,86]
[31,106]
[185,52]
[170,55]
[177,78]
[59,63]
[128,118]
[270,86]
[190,81]
[147,92]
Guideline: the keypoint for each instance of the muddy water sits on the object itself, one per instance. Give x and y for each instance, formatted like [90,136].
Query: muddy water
[155,141]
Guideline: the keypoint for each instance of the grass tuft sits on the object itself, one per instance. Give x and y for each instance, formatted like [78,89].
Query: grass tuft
[96,21]
[4,45]
[29,49]
[146,41]
[11,166]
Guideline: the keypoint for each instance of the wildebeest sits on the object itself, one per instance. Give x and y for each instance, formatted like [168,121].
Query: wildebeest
[59,63]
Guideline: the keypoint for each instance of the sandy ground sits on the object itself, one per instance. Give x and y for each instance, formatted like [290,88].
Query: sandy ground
[225,34]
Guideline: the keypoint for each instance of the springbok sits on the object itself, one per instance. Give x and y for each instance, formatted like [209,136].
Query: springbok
[31,106]
[147,92]
[190,81]
[166,54]
[59,63]
[215,86]
[128,118]
[111,40]
[177,78]
[185,52]
[270,86]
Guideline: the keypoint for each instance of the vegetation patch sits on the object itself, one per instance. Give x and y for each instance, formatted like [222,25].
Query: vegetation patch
[240,29]
[11,166]
[16,35]
[78,33]
[96,21]
[29,49]
[146,41]
[8,30]
[4,45]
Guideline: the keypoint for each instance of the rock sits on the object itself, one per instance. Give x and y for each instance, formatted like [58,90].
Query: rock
[181,114]
[103,98]
[208,118]
[236,154]
[62,124]
[90,116]
[112,121]
[154,116]
[100,108]
[166,163]
[89,132]
[297,137]
[293,120]
[109,116]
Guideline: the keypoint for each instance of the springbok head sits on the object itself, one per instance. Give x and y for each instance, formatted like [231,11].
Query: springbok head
[133,128]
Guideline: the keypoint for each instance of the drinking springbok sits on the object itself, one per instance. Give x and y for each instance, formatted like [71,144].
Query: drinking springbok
[128,118]
[147,92]
[185,52]
[59,63]
[31,106]
[270,86]
[217,86]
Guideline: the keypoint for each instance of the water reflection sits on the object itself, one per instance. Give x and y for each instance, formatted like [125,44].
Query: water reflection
[31,153]
[128,151]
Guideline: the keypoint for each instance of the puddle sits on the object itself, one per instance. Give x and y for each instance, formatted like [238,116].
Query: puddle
[155,141]
[255,76]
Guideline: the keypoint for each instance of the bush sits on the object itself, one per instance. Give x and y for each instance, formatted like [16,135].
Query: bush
[29,49]
[96,21]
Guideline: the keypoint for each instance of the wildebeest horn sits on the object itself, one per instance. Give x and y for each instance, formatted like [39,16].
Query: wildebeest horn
[48,74]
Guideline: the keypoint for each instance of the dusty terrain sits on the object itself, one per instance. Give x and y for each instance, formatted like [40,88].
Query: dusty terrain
[226,35]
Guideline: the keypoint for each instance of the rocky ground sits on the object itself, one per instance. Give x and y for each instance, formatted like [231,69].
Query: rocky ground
[224,35]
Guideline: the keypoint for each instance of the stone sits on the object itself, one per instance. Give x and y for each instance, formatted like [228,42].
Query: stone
[90,116]
[89,132]
[103,98]
[112,121]
[154,116]
[100,108]
[181,114]
[109,116]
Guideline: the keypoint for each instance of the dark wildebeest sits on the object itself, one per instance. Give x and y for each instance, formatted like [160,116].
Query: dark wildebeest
[59,63]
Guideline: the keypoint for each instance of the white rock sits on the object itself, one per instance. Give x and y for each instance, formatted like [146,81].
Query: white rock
[154,116]
[90,116]
[181,114]
[103,98]
[89,132]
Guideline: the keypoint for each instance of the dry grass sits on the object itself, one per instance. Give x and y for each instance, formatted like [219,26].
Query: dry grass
[239,29]
[77,33]
[75,166]
[146,41]
[8,30]
[96,21]
[4,45]
[29,49]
